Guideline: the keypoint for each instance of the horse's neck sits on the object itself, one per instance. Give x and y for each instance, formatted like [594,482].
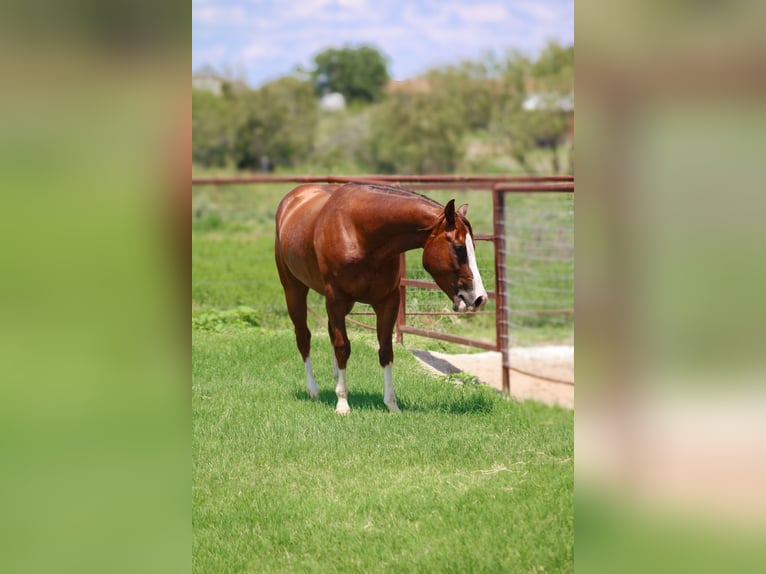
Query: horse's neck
[405,225]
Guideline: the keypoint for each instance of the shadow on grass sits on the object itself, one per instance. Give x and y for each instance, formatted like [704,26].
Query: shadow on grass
[466,403]
[474,403]
[360,400]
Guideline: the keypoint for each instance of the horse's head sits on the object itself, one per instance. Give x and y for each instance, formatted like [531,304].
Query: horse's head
[449,256]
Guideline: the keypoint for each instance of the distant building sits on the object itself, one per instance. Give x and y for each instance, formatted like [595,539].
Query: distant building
[208,83]
[414,86]
[332,102]
[553,102]
[213,83]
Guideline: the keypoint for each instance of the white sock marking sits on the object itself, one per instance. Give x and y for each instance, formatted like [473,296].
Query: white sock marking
[311,385]
[389,397]
[341,390]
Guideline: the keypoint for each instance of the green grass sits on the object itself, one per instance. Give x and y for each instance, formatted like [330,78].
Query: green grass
[462,480]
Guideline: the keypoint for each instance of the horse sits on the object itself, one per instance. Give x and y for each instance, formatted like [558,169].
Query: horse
[344,242]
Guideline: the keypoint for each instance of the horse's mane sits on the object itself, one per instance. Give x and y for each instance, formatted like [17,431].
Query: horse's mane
[388,189]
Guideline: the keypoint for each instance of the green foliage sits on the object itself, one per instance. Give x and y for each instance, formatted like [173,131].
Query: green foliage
[471,90]
[357,73]
[341,142]
[216,320]
[554,68]
[469,116]
[213,127]
[417,133]
[242,126]
[276,122]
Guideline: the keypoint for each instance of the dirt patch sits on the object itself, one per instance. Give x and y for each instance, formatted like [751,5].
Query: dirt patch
[544,374]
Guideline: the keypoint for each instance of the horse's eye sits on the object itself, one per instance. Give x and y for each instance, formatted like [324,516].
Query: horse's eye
[462,254]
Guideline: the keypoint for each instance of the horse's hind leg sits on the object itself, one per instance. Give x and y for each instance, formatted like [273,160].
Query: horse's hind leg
[336,313]
[297,309]
[295,296]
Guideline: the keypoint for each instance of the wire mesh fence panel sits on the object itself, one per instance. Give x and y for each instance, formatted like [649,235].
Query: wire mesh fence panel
[540,267]
[431,309]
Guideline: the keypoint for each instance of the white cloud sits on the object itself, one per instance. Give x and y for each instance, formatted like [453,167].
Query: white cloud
[217,15]
[481,13]
[353,4]
[260,50]
[269,38]
[325,9]
[542,13]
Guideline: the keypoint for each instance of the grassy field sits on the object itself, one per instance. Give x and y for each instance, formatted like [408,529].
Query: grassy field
[463,480]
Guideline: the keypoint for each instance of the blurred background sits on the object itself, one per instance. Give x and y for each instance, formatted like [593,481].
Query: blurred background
[394,87]
[670,449]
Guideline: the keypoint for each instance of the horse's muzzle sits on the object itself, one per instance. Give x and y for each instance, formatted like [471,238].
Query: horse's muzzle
[461,302]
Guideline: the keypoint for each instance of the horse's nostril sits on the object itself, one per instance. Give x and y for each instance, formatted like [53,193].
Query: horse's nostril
[479,302]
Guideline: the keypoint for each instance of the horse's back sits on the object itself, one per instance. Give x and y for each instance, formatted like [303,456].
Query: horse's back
[301,206]
[295,223]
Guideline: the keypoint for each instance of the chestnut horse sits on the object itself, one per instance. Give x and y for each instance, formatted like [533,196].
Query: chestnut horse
[344,242]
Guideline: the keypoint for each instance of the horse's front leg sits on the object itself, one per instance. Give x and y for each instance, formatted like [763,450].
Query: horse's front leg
[386,313]
[336,313]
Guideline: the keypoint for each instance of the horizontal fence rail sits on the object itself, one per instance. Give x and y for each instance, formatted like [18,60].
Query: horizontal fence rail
[499,186]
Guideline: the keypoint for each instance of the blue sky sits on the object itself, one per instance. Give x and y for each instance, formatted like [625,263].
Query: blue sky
[260,40]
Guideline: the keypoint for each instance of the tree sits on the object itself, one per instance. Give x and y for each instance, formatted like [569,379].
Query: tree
[471,89]
[213,128]
[554,68]
[416,133]
[277,122]
[357,73]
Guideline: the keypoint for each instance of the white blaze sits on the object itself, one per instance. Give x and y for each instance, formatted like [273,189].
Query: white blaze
[478,285]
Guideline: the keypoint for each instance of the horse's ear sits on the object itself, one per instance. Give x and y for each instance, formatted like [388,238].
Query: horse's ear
[463,209]
[449,214]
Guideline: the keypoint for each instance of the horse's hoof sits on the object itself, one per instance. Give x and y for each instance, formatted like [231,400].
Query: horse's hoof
[393,407]
[342,408]
[313,393]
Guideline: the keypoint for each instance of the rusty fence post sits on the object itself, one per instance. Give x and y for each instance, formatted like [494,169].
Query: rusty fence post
[501,289]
